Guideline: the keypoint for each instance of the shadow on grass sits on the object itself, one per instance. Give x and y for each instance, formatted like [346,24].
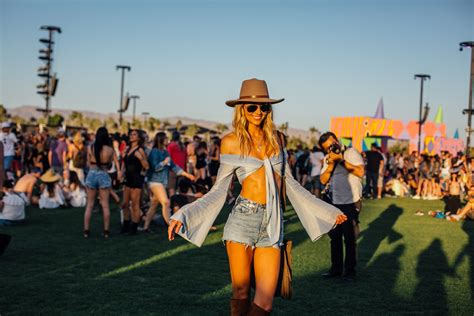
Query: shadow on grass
[431,270]
[468,253]
[377,231]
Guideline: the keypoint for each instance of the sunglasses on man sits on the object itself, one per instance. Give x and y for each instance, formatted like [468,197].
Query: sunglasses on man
[264,108]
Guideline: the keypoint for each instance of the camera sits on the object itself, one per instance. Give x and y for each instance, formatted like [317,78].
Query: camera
[335,148]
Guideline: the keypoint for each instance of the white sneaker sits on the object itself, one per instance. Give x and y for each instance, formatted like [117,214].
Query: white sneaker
[416,197]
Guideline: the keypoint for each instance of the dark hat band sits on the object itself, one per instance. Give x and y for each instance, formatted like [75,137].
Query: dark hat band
[253,96]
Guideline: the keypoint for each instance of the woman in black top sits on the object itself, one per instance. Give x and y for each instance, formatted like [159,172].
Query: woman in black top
[201,162]
[135,163]
[214,159]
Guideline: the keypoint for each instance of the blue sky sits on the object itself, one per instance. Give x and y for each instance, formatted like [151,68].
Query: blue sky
[327,58]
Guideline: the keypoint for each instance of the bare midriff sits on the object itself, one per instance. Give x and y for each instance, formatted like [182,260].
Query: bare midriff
[254,186]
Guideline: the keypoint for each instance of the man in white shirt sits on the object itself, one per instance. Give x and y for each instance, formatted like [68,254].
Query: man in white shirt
[343,169]
[8,139]
[316,158]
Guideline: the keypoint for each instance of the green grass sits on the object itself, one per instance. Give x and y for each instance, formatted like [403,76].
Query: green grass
[407,264]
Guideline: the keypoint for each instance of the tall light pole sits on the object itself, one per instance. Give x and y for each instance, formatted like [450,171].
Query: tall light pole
[469,110]
[48,87]
[422,78]
[134,98]
[145,114]
[121,109]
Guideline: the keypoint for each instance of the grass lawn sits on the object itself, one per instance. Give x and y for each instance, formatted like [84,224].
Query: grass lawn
[407,264]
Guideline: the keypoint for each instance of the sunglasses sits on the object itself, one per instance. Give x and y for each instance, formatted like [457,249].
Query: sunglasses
[265,108]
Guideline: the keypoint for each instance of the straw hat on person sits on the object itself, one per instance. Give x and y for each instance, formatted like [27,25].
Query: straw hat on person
[50,176]
[253,91]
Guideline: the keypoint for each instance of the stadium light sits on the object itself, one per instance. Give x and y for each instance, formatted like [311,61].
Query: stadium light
[49,86]
[469,111]
[422,78]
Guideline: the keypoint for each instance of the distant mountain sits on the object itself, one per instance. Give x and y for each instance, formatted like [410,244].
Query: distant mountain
[28,111]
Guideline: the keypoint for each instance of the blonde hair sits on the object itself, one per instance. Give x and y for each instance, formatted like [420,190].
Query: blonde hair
[241,124]
[77,139]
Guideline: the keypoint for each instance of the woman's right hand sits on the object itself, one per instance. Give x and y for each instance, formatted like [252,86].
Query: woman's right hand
[174,228]
[341,219]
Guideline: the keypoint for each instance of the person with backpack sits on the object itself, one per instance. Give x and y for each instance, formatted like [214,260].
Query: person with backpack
[77,156]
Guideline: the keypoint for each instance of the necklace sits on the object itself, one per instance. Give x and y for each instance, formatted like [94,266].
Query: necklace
[259,145]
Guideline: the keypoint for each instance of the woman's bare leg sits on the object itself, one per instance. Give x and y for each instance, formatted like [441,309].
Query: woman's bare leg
[89,206]
[267,268]
[240,260]
[159,197]
[126,204]
[165,203]
[135,196]
[104,202]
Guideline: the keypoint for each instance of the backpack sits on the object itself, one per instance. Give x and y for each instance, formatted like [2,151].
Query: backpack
[80,159]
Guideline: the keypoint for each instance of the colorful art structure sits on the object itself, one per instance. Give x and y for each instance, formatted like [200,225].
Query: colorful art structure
[361,131]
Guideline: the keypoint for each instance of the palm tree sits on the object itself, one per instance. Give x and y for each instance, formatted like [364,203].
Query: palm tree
[179,124]
[111,124]
[154,123]
[313,140]
[56,120]
[95,124]
[3,113]
[76,118]
[284,128]
[313,130]
[221,128]
[192,130]
[166,124]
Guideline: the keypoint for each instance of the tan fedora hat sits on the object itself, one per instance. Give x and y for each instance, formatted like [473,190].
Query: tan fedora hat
[253,91]
[49,176]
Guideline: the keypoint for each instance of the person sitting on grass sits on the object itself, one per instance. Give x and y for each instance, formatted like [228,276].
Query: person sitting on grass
[453,199]
[52,195]
[412,183]
[12,206]
[397,186]
[437,192]
[75,192]
[467,212]
[29,186]
[185,195]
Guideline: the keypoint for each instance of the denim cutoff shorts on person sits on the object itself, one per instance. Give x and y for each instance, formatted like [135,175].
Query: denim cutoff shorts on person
[98,179]
[247,224]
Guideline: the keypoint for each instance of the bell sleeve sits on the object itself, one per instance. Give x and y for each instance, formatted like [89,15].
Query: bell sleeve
[317,216]
[198,217]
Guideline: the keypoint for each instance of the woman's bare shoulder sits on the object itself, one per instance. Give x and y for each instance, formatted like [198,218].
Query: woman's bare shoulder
[230,144]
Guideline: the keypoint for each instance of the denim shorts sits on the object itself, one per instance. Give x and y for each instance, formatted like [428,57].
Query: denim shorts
[247,224]
[98,179]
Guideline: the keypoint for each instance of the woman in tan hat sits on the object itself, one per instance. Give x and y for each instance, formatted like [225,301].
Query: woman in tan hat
[253,232]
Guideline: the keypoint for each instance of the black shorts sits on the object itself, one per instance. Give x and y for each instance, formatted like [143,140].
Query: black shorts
[135,181]
[452,203]
[213,168]
[200,163]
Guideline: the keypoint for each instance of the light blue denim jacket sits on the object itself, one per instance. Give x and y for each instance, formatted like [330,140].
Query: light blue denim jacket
[317,217]
[159,171]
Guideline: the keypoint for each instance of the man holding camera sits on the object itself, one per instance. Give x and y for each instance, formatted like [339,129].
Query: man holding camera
[342,174]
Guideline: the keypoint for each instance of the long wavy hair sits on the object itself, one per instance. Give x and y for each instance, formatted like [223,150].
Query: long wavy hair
[159,141]
[241,124]
[101,139]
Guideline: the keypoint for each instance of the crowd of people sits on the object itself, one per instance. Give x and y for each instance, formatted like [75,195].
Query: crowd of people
[444,177]
[79,169]
[141,173]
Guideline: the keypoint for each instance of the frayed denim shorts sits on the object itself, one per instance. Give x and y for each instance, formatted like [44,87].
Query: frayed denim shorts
[247,224]
[98,179]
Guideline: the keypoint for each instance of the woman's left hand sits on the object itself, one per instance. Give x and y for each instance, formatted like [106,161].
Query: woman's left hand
[341,219]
